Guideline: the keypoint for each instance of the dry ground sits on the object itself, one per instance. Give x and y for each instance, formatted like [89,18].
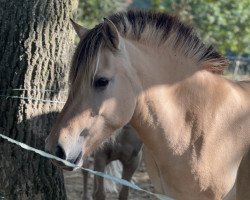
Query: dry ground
[74,185]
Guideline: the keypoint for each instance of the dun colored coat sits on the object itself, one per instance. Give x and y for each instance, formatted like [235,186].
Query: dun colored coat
[154,72]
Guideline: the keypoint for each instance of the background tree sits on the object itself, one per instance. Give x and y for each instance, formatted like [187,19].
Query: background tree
[92,11]
[35,43]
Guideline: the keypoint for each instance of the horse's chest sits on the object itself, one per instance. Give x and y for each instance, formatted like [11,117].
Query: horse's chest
[185,179]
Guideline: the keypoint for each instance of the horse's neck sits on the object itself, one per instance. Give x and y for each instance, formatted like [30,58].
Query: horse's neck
[178,99]
[177,113]
[159,65]
[159,70]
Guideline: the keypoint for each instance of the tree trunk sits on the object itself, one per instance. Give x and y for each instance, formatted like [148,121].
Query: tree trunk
[35,43]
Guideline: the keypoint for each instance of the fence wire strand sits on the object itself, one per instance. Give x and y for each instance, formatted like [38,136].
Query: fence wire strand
[33,99]
[44,154]
[37,90]
[67,163]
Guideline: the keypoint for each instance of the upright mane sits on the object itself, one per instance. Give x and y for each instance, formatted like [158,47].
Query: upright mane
[146,26]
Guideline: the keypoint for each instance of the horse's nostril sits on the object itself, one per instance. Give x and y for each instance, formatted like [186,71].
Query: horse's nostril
[60,152]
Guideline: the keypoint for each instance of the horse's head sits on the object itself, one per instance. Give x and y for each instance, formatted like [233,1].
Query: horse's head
[102,96]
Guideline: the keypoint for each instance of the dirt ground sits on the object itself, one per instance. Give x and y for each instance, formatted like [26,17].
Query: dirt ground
[74,185]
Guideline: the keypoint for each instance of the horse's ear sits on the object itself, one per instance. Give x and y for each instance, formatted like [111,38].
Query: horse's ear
[111,33]
[80,30]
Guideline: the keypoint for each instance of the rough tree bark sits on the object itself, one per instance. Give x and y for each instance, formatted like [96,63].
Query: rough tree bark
[35,43]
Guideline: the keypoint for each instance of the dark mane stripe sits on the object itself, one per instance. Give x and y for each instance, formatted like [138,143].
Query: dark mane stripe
[85,54]
[136,25]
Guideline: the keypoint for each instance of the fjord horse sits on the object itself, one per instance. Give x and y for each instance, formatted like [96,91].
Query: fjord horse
[154,72]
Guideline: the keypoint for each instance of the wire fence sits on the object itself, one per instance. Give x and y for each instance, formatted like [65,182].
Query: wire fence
[5,96]
[46,155]
[67,163]
[37,90]
[32,99]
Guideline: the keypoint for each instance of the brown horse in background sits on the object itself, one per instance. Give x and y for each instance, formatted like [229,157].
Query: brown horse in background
[154,72]
[125,147]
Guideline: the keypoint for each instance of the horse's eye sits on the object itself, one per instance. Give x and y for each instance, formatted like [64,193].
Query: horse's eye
[101,83]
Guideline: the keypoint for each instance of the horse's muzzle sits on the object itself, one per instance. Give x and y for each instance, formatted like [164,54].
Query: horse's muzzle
[74,155]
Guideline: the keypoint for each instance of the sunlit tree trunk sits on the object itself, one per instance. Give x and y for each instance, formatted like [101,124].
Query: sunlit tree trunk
[35,43]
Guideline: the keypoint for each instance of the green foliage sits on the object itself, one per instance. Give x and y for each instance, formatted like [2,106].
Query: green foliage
[92,11]
[224,23]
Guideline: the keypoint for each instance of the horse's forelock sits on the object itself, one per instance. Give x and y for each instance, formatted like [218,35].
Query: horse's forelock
[86,55]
